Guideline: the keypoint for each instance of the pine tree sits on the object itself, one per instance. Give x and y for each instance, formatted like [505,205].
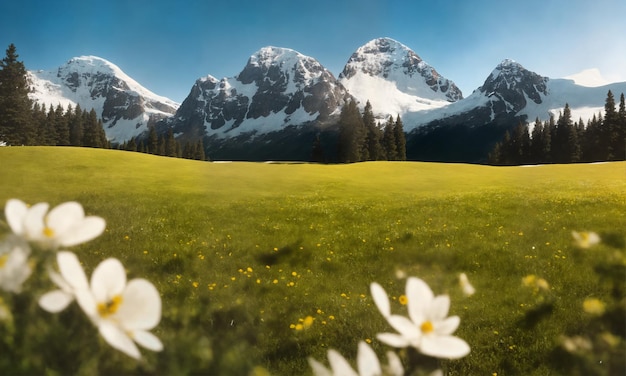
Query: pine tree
[374,135]
[317,151]
[16,126]
[39,122]
[621,124]
[61,127]
[536,143]
[75,124]
[49,135]
[351,140]
[398,132]
[389,140]
[170,143]
[610,128]
[153,140]
[199,151]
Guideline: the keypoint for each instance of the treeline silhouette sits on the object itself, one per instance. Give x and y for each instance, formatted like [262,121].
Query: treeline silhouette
[602,138]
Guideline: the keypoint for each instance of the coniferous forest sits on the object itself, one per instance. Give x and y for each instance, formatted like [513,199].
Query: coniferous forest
[360,137]
[565,140]
[24,122]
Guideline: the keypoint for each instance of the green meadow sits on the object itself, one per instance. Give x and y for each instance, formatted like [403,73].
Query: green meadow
[242,253]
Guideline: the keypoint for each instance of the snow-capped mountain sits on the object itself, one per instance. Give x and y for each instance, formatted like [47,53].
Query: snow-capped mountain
[277,88]
[467,129]
[395,80]
[125,107]
[512,91]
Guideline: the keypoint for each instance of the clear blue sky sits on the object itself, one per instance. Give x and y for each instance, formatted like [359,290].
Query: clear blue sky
[167,44]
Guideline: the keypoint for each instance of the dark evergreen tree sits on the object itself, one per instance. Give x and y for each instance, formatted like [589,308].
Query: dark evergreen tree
[170,144]
[317,151]
[49,135]
[75,123]
[398,132]
[16,126]
[39,119]
[374,136]
[536,143]
[61,127]
[199,151]
[621,125]
[610,129]
[153,140]
[351,140]
[389,140]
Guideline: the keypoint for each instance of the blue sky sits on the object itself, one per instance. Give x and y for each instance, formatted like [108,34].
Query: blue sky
[167,44]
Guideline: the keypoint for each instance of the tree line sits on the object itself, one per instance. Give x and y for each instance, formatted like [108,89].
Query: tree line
[25,122]
[602,138]
[165,145]
[361,138]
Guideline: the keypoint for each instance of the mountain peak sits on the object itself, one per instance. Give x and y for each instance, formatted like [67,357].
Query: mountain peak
[511,83]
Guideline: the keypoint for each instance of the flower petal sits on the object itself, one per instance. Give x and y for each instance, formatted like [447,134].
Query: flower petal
[367,361]
[439,308]
[380,299]
[339,364]
[420,297]
[55,301]
[141,306]
[15,211]
[447,326]
[448,347]
[64,216]
[86,301]
[318,368]
[108,280]
[395,367]
[118,339]
[148,340]
[393,340]
[405,327]
[71,270]
[88,229]
[33,221]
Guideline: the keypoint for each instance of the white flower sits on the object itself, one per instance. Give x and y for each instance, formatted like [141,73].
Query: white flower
[65,225]
[14,267]
[585,239]
[123,312]
[427,328]
[466,286]
[71,282]
[367,363]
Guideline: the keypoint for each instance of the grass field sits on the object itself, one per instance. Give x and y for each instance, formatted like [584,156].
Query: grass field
[243,252]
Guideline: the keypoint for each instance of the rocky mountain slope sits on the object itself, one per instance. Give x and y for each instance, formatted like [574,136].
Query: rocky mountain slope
[467,129]
[278,90]
[125,107]
[282,101]
[395,80]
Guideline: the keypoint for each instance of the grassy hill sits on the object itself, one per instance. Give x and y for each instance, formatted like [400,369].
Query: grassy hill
[243,252]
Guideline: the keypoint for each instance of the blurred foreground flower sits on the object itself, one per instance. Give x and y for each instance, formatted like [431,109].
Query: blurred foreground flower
[585,239]
[14,267]
[427,328]
[466,286]
[123,312]
[367,363]
[594,306]
[71,282]
[65,225]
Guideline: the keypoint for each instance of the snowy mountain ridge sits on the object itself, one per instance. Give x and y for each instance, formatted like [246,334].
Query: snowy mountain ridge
[395,79]
[277,88]
[125,107]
